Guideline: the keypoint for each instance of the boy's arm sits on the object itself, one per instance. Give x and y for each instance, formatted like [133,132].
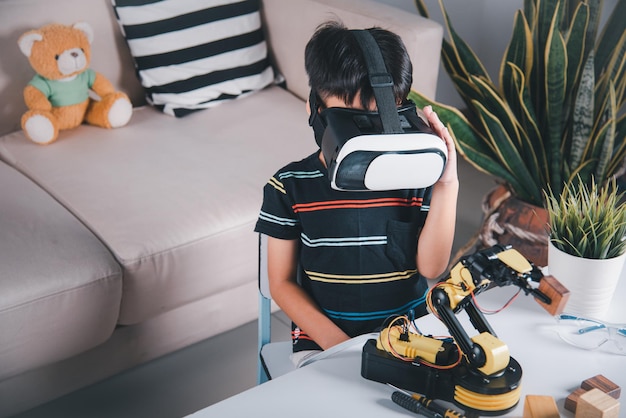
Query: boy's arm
[282,266]
[435,240]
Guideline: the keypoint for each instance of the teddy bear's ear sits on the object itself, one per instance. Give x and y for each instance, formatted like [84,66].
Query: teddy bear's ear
[86,29]
[27,40]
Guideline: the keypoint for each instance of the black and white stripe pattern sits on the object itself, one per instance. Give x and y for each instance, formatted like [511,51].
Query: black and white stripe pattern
[194,54]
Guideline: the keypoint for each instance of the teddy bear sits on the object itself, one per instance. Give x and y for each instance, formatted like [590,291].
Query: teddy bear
[61,94]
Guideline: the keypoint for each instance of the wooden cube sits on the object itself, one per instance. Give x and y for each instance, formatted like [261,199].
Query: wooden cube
[558,293]
[597,382]
[572,399]
[597,404]
[602,383]
[537,406]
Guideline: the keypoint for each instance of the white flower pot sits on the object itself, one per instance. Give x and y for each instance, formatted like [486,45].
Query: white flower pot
[591,282]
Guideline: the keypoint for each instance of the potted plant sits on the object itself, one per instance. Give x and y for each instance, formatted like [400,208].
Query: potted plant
[587,229]
[557,113]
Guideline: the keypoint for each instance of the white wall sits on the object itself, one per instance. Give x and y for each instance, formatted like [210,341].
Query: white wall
[486,27]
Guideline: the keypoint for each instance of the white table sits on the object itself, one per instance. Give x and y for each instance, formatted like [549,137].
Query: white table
[333,387]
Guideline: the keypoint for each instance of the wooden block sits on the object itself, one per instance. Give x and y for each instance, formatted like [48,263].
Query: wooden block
[537,406]
[602,383]
[558,293]
[572,399]
[597,404]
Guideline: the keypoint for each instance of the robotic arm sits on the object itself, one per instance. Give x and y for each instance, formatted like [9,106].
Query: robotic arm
[496,266]
[476,373]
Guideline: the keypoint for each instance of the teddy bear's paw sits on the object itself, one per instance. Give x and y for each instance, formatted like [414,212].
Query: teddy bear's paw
[40,129]
[120,112]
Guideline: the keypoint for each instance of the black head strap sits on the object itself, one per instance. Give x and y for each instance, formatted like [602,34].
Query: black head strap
[381,82]
[315,120]
[382,86]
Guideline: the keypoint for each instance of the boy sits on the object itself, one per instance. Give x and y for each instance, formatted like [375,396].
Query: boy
[362,256]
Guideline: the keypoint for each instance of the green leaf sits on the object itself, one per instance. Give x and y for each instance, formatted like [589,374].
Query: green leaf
[587,220]
[470,144]
[575,41]
[519,53]
[582,116]
[611,33]
[521,106]
[575,45]
[548,122]
[486,164]
[530,11]
[568,10]
[508,154]
[555,57]
[614,72]
[450,60]
[606,137]
[421,8]
[453,118]
[595,10]
[547,15]
[619,152]
[467,90]
[464,55]
[620,79]
[495,105]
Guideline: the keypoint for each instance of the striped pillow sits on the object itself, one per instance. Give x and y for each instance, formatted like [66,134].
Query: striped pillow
[195,54]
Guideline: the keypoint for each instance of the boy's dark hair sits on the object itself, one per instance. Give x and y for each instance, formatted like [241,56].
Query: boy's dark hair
[336,66]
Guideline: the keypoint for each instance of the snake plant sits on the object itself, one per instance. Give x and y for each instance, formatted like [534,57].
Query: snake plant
[557,113]
[588,221]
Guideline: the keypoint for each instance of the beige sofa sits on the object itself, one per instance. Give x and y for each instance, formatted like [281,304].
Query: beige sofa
[118,246]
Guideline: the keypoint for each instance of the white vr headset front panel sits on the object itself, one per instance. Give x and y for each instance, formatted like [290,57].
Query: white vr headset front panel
[404,161]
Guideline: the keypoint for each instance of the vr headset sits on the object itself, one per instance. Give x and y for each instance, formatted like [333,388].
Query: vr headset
[390,149]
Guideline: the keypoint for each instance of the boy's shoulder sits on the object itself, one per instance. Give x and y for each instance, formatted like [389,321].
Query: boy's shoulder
[310,164]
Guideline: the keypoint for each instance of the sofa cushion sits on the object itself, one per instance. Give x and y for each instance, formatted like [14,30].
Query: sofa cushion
[195,54]
[173,198]
[60,288]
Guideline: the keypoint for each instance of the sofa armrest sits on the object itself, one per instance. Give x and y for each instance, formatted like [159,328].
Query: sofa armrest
[290,24]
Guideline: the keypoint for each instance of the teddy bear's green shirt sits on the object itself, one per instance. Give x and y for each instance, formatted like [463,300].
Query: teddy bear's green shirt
[65,93]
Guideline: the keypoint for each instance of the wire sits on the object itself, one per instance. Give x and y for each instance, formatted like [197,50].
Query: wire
[403,329]
[492,312]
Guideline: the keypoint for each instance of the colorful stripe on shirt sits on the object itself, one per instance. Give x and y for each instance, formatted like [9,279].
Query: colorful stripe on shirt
[343,242]
[277,185]
[360,279]
[383,314]
[300,174]
[358,204]
[277,220]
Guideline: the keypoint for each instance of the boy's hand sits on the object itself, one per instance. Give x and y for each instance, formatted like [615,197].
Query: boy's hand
[450,172]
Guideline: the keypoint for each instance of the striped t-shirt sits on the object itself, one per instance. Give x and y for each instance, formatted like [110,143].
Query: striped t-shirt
[357,249]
